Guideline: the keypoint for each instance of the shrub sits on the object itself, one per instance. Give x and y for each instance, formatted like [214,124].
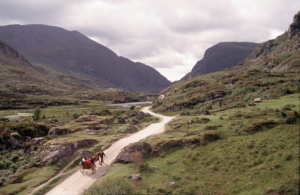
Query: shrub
[210,136]
[132,107]
[37,113]
[238,92]
[52,161]
[136,158]
[76,115]
[14,157]
[290,119]
[283,113]
[206,112]
[134,121]
[2,180]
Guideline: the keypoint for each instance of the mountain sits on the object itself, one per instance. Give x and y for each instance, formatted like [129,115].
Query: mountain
[72,58]
[221,56]
[277,54]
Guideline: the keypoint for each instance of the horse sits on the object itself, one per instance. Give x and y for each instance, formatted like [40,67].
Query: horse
[95,157]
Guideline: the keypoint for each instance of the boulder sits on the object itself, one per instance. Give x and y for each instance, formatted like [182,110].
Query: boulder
[124,155]
[136,177]
[66,150]
[257,100]
[37,141]
[147,114]
[15,140]
[57,131]
[265,69]
[217,95]
[83,153]
[172,183]
[131,129]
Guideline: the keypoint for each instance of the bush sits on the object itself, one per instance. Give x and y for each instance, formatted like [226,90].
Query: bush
[132,107]
[14,157]
[136,158]
[52,161]
[290,119]
[76,115]
[37,113]
[2,180]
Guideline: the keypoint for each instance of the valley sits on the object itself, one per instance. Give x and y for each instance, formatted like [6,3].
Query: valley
[230,126]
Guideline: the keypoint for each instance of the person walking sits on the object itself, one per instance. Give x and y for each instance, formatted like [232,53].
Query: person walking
[101,154]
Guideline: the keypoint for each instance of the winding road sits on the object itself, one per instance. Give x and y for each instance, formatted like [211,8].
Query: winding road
[78,182]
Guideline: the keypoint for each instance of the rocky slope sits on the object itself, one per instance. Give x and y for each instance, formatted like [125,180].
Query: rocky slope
[221,56]
[282,53]
[71,56]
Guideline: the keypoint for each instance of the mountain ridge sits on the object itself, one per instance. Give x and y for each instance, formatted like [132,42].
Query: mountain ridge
[220,56]
[73,53]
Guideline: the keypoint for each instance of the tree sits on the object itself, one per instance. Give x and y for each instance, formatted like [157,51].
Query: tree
[36,113]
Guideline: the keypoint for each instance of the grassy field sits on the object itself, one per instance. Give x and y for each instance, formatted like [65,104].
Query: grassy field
[23,181]
[239,161]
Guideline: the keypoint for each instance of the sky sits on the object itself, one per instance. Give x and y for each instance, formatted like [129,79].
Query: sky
[168,35]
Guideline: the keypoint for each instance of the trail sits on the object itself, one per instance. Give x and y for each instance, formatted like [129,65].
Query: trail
[77,182]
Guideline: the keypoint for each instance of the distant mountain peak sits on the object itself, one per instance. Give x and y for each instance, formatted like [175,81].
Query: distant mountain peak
[221,56]
[72,53]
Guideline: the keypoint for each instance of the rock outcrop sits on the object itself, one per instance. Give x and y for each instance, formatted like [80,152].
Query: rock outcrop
[64,149]
[124,155]
[136,177]
[85,122]
[15,140]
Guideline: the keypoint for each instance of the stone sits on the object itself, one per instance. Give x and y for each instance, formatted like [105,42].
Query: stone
[83,153]
[172,183]
[250,183]
[57,151]
[131,129]
[265,69]
[124,155]
[161,97]
[15,140]
[136,177]
[257,100]
[57,131]
[37,141]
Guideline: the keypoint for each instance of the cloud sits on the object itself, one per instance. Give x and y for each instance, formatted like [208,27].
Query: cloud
[170,35]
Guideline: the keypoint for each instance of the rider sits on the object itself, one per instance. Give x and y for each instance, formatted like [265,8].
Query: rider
[89,161]
[83,159]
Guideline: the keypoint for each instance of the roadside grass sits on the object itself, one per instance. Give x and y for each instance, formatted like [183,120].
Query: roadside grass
[52,184]
[73,164]
[23,182]
[117,170]
[249,164]
[240,162]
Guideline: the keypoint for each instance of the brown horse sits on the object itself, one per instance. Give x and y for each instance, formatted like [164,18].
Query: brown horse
[96,158]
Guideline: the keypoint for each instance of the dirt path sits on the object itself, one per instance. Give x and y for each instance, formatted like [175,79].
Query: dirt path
[77,182]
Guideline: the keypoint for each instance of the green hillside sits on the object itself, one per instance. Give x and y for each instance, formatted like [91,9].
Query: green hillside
[72,58]
[280,54]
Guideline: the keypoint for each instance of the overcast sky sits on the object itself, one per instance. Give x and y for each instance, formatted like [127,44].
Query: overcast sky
[169,35]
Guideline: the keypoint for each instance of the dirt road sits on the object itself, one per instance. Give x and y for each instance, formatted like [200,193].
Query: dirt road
[76,183]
